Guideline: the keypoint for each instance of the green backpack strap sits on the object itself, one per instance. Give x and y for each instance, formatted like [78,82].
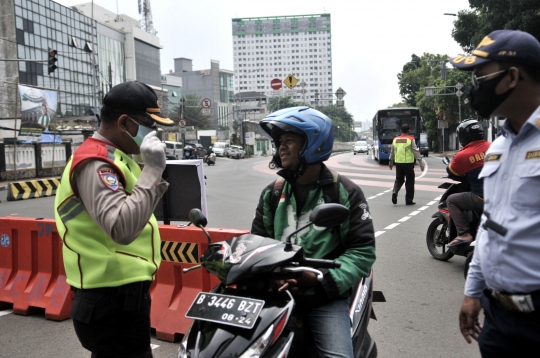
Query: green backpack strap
[330,192]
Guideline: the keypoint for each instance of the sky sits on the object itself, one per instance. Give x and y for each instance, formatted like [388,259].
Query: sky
[371,40]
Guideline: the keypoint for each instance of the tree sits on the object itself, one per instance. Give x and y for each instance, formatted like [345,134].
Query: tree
[193,112]
[342,118]
[428,74]
[486,16]
[277,103]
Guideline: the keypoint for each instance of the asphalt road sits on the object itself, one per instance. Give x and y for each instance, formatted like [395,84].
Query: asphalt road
[423,295]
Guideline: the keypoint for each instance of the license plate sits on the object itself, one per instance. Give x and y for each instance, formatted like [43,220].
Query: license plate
[229,310]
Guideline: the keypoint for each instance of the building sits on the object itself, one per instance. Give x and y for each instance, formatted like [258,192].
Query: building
[267,48]
[141,48]
[29,29]
[213,84]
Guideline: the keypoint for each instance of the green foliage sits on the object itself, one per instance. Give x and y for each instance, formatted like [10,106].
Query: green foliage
[426,72]
[193,112]
[277,103]
[342,118]
[399,105]
[485,16]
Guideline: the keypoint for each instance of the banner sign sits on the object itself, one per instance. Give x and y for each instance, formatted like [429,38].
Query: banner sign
[38,109]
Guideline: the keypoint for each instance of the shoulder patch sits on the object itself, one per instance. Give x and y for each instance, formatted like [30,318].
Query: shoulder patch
[109,178]
[533,154]
[493,157]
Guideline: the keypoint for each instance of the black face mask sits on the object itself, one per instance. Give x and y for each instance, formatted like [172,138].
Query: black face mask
[484,100]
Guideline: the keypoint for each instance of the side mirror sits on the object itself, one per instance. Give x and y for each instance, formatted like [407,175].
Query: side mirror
[329,215]
[446,161]
[197,218]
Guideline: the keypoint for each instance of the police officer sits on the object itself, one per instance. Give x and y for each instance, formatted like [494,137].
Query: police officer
[103,212]
[504,276]
[402,154]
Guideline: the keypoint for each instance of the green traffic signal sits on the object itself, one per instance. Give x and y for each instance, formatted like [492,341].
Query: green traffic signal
[52,60]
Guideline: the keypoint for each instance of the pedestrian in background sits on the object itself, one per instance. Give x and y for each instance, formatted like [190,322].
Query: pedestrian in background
[504,275]
[403,154]
[104,214]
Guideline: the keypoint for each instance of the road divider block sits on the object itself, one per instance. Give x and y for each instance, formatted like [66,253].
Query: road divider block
[32,272]
[30,189]
[173,291]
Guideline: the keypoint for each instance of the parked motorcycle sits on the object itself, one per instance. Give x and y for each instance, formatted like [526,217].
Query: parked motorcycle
[210,159]
[272,164]
[245,315]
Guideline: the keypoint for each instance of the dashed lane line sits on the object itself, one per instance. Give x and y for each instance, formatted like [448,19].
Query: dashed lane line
[5,312]
[405,218]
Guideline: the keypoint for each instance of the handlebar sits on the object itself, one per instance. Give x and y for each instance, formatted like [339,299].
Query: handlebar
[302,269]
[320,263]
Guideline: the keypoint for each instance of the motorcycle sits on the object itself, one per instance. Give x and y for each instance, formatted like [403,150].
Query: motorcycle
[210,159]
[245,315]
[272,164]
[189,152]
[442,230]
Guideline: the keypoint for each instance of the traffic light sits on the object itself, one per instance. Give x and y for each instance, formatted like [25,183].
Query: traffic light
[52,60]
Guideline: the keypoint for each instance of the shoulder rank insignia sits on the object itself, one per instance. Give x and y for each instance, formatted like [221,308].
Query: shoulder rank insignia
[109,178]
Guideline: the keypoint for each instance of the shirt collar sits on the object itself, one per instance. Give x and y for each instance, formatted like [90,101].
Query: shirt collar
[533,121]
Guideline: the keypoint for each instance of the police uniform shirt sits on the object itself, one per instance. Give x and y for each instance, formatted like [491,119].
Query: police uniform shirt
[511,173]
[121,216]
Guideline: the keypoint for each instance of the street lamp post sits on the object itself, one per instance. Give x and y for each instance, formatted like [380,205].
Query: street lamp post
[338,132]
[444,91]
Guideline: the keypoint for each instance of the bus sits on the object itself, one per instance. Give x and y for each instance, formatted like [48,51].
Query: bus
[387,125]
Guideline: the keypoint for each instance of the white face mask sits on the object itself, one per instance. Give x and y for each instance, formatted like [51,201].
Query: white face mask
[141,133]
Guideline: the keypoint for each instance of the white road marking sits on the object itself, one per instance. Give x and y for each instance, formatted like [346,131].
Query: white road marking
[379,233]
[391,226]
[431,202]
[404,219]
[5,312]
[425,169]
[423,208]
[414,213]
[153,346]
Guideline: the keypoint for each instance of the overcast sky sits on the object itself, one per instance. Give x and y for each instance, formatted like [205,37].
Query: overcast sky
[371,40]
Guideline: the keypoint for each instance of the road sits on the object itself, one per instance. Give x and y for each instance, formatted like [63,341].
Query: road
[423,295]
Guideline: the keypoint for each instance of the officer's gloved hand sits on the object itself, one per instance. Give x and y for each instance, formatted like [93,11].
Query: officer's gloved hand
[153,151]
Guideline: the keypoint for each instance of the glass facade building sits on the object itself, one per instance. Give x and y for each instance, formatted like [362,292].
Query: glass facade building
[148,67]
[42,25]
[112,66]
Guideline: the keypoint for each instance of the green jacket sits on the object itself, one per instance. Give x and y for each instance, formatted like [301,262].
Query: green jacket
[352,243]
[91,258]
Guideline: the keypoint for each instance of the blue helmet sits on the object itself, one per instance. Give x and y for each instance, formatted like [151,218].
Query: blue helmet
[315,126]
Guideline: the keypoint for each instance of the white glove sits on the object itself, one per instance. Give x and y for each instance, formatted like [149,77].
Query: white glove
[153,151]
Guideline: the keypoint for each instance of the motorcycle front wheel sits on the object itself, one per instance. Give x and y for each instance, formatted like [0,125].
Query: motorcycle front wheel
[272,165]
[467,263]
[437,240]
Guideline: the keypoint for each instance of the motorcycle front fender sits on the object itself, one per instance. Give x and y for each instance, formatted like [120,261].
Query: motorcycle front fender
[210,340]
[439,215]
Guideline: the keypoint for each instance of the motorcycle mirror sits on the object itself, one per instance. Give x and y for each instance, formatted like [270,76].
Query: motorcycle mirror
[446,161]
[326,215]
[197,217]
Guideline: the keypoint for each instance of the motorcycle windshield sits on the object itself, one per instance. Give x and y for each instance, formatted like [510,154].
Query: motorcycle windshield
[242,257]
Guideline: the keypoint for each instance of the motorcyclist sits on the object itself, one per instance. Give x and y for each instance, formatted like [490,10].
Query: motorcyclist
[468,163]
[188,152]
[304,139]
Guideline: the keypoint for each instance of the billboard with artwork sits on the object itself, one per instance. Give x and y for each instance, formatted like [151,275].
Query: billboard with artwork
[38,109]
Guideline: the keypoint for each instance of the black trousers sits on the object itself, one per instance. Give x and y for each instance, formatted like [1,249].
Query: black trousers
[405,174]
[114,322]
[507,333]
[463,201]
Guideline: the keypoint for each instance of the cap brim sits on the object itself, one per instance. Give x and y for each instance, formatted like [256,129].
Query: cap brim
[468,63]
[161,120]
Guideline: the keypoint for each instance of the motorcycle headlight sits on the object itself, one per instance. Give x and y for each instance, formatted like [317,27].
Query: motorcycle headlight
[259,346]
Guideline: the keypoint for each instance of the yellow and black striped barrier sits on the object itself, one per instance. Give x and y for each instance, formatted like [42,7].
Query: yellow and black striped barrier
[22,190]
[180,252]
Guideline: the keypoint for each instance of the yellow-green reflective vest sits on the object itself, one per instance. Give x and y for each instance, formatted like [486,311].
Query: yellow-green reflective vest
[403,149]
[91,258]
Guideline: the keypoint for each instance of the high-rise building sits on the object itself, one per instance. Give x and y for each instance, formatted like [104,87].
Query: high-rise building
[267,48]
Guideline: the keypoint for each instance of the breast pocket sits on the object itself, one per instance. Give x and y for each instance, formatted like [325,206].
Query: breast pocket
[526,188]
[487,173]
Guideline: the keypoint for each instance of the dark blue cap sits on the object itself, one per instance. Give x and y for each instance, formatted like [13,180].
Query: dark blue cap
[505,46]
